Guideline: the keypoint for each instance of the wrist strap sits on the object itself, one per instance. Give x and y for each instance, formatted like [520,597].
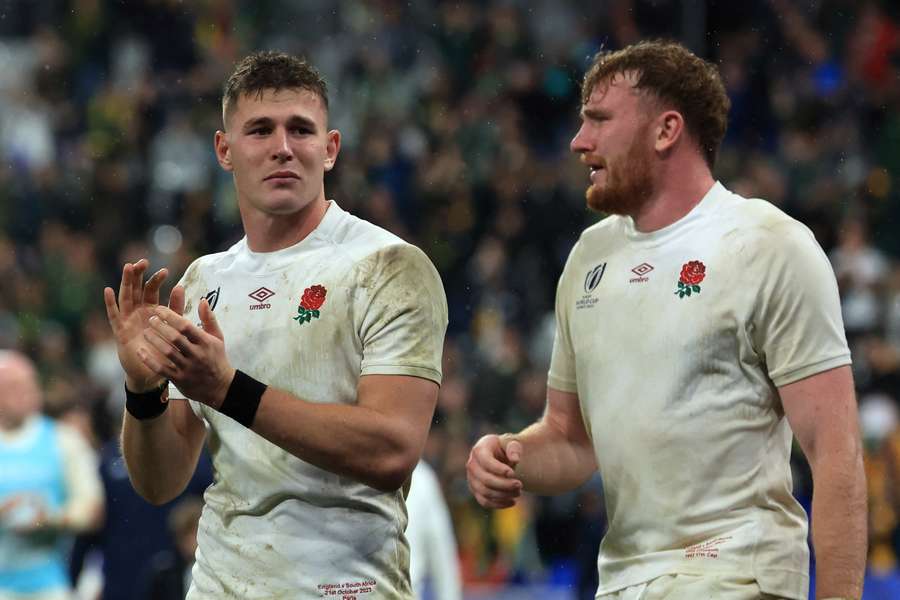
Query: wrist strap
[146,405]
[242,398]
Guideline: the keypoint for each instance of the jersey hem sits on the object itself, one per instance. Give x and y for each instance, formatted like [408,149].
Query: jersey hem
[790,584]
[784,583]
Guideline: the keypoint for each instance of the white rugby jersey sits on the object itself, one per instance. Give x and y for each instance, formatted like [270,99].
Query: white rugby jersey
[675,342]
[350,299]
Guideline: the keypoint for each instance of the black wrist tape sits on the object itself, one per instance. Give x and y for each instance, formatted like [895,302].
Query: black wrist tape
[146,405]
[242,398]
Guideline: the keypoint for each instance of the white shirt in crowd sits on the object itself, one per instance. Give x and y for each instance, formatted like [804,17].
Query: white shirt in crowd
[432,544]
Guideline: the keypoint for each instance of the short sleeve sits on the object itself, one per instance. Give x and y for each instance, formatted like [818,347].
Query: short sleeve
[562,374]
[796,325]
[403,317]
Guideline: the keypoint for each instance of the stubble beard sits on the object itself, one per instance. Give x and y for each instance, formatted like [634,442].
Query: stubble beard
[629,185]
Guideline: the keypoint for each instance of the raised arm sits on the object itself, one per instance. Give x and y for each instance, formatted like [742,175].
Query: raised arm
[376,441]
[823,414]
[399,314]
[161,453]
[553,456]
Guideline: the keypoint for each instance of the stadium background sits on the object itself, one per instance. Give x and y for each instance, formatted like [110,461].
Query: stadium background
[456,119]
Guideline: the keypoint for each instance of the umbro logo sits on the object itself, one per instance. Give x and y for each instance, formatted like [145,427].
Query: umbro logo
[261,295]
[641,271]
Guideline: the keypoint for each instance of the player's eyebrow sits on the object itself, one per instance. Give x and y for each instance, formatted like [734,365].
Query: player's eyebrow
[299,120]
[258,121]
[293,121]
[594,114]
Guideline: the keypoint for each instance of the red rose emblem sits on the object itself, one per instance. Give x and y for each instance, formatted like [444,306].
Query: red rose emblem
[692,273]
[313,297]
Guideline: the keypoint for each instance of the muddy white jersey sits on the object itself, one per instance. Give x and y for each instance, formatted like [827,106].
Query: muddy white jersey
[349,300]
[676,342]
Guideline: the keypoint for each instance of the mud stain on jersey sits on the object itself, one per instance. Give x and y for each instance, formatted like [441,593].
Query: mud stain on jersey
[407,306]
[189,280]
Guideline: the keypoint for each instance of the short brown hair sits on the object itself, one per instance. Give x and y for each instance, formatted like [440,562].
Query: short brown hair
[676,77]
[271,71]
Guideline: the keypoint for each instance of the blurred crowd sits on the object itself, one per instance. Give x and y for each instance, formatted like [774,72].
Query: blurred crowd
[456,119]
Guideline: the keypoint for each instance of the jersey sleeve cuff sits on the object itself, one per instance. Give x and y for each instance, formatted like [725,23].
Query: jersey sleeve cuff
[414,371]
[563,385]
[790,376]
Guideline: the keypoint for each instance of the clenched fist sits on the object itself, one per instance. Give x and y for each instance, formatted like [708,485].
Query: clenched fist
[491,471]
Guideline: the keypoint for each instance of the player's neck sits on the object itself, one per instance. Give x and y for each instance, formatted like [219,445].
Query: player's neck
[680,188]
[269,233]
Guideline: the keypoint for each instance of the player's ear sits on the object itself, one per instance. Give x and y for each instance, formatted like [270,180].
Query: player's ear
[223,150]
[332,148]
[670,127]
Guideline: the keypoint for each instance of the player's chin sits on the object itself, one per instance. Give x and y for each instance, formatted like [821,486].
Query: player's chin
[595,198]
[283,204]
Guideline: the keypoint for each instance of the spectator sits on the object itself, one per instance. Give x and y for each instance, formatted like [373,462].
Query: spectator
[454,115]
[49,490]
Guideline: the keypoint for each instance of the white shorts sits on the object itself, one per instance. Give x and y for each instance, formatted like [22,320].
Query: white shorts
[693,587]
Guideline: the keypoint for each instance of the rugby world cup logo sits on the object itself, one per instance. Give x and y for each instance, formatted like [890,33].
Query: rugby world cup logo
[212,298]
[592,280]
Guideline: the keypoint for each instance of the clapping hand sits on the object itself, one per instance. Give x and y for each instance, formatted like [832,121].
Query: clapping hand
[130,316]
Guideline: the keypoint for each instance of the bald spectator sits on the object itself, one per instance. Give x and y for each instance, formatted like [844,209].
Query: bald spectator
[49,489]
